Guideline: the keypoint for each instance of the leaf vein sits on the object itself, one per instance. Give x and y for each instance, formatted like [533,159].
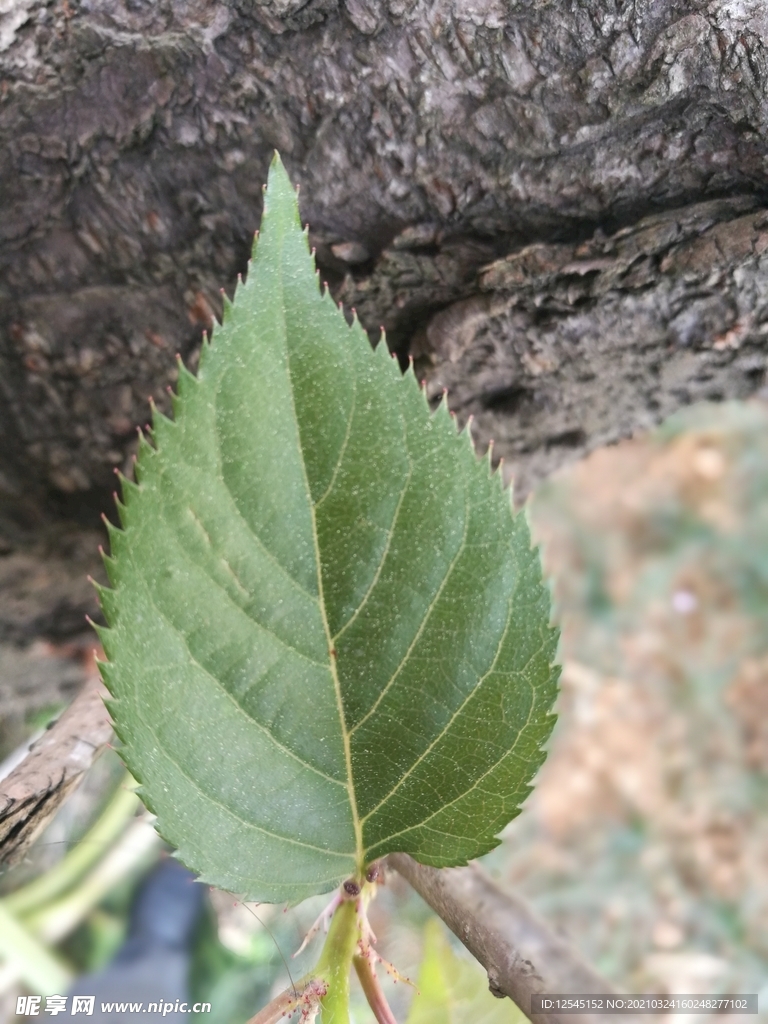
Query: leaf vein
[243,611]
[344,443]
[469,697]
[382,560]
[218,682]
[218,803]
[474,785]
[249,528]
[422,626]
[222,559]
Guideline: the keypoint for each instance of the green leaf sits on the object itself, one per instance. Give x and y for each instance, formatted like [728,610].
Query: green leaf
[452,990]
[329,635]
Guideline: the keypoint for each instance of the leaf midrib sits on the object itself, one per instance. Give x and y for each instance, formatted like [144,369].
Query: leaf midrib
[356,822]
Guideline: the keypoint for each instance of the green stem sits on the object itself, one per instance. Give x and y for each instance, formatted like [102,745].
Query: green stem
[136,847]
[335,962]
[327,986]
[33,963]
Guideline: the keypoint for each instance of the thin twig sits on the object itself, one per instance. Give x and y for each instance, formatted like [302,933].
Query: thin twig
[37,787]
[306,998]
[374,993]
[522,955]
[277,1009]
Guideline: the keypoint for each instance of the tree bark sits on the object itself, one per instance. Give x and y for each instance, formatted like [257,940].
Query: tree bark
[559,209]
[35,789]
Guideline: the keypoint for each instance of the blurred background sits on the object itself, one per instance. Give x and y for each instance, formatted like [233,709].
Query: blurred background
[646,838]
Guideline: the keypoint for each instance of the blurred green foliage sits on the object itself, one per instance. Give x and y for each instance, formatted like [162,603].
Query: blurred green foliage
[453,990]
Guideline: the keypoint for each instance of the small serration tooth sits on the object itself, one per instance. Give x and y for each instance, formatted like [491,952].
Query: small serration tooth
[110,567]
[103,633]
[108,602]
[186,377]
[145,448]
[107,675]
[159,416]
[129,487]
[114,533]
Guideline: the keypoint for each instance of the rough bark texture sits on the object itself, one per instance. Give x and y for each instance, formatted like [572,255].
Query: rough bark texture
[558,207]
[32,793]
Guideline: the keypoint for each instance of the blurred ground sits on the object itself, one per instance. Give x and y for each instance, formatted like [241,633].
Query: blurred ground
[646,838]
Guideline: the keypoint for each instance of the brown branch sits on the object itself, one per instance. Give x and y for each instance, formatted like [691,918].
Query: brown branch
[277,1009]
[522,955]
[32,793]
[307,998]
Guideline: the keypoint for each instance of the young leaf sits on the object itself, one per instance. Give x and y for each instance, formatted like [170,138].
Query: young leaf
[329,638]
[455,991]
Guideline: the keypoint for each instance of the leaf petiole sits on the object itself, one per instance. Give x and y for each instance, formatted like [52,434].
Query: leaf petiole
[336,961]
[348,944]
[373,990]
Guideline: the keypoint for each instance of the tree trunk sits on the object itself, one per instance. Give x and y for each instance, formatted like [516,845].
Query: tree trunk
[559,209]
